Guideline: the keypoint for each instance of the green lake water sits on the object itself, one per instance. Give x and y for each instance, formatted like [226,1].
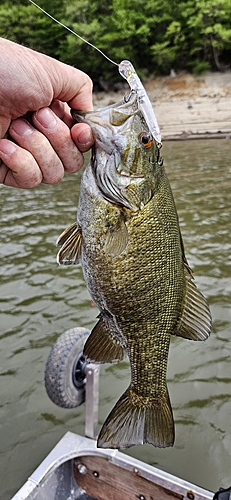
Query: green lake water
[39,300]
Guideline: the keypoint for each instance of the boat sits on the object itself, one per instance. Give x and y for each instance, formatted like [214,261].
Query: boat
[76,469]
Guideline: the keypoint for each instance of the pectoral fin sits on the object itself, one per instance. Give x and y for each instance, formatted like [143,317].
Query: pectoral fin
[116,239]
[71,245]
[195,320]
[101,347]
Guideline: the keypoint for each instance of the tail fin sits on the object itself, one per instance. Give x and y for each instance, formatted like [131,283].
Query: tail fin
[135,420]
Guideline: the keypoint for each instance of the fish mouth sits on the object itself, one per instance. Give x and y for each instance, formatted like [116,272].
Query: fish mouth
[110,124]
[128,106]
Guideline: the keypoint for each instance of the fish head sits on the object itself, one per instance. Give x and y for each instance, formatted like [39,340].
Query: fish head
[124,154]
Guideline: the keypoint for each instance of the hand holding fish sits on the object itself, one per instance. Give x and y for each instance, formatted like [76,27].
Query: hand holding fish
[38,138]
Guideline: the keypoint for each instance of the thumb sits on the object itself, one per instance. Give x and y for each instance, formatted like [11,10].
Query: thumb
[69,84]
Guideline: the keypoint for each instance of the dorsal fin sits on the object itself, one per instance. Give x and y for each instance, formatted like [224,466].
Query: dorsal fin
[195,320]
[101,347]
[187,269]
[71,245]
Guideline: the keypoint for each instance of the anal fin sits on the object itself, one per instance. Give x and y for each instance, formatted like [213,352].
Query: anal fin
[71,245]
[101,347]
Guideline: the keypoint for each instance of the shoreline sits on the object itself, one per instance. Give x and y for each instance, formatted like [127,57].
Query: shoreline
[186,106]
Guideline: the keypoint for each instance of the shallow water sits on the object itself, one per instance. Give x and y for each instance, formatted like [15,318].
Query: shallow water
[39,300]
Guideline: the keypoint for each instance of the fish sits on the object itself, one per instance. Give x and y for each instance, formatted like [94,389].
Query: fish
[128,240]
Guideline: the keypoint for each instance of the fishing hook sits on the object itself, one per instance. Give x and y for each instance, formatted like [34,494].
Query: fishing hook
[159,160]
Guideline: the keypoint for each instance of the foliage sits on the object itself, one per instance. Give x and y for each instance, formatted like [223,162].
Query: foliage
[156,35]
[28,26]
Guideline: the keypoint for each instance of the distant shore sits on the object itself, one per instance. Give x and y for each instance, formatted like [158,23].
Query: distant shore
[186,106]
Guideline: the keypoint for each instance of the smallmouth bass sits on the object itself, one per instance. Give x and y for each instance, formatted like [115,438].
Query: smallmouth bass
[128,240]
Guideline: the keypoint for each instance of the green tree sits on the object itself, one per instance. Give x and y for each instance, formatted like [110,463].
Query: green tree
[156,35]
[25,24]
[208,33]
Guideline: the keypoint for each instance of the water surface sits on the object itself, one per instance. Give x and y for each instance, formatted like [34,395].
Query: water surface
[39,300]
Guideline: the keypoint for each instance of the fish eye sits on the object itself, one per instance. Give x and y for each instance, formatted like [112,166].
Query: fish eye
[146,140]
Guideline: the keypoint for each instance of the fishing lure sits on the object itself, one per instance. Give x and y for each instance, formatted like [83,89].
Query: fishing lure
[127,71]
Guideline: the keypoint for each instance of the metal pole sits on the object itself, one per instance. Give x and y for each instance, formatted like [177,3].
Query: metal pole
[92,400]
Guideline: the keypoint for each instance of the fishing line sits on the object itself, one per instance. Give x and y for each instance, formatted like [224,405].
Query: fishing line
[73,33]
[128,72]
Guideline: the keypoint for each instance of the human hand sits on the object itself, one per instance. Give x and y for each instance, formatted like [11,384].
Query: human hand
[38,138]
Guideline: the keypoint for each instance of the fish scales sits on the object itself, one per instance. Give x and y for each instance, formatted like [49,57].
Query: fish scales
[128,238]
[124,283]
[148,255]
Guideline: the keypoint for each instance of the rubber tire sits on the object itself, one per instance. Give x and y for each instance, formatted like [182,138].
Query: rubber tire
[59,369]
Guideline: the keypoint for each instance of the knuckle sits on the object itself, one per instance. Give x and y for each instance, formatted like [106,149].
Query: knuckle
[53,171]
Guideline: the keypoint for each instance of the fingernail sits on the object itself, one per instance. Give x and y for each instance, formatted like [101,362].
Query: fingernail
[21,127]
[46,118]
[85,137]
[7,147]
